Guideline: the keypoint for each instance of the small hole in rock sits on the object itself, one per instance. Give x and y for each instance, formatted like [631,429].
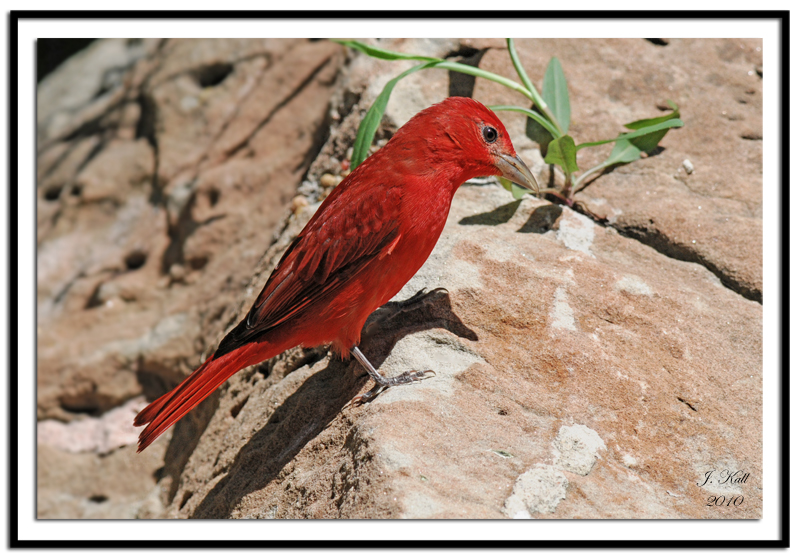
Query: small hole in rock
[80,405]
[135,260]
[94,299]
[198,262]
[238,408]
[185,499]
[75,190]
[752,135]
[213,196]
[52,193]
[213,75]
[98,498]
[159,474]
[503,412]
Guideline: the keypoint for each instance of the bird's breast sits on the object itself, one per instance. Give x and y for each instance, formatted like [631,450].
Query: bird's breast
[422,219]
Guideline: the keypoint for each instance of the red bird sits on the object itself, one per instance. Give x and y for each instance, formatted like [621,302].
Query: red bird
[369,237]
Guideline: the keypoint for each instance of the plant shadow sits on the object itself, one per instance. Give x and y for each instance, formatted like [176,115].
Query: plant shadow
[542,219]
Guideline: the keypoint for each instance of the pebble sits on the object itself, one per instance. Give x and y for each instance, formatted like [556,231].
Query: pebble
[329,180]
[688,166]
[177,272]
[298,203]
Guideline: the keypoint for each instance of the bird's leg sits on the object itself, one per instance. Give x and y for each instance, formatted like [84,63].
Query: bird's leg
[382,382]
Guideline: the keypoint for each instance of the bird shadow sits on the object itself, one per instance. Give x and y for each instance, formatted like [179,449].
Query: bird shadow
[541,220]
[501,215]
[319,400]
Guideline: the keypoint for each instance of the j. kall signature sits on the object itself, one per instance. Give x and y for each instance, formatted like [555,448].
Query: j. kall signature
[723,477]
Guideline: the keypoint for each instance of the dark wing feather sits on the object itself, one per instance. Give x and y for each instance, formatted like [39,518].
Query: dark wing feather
[340,240]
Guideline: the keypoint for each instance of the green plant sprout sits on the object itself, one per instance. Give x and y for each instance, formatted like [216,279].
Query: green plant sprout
[548,125]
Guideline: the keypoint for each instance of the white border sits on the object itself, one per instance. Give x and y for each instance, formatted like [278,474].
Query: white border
[29,30]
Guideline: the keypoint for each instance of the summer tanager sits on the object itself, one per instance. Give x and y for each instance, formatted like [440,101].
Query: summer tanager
[368,238]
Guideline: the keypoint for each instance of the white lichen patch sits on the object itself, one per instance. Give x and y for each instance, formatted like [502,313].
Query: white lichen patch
[102,435]
[576,231]
[561,315]
[577,448]
[633,285]
[539,490]
[629,461]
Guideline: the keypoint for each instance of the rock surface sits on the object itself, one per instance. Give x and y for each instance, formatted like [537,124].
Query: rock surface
[711,216]
[583,371]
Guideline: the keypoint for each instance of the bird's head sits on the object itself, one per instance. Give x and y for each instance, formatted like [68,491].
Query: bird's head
[462,134]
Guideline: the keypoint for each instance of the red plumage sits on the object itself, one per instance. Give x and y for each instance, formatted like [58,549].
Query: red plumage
[368,238]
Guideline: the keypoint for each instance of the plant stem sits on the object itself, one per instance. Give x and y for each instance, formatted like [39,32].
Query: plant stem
[555,193]
[477,72]
[586,174]
[534,96]
[541,120]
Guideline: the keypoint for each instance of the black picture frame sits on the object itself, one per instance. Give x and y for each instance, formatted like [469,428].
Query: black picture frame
[16,188]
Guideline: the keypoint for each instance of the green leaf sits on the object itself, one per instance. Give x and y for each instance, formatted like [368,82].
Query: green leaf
[639,124]
[630,146]
[535,116]
[382,54]
[642,132]
[516,191]
[562,151]
[624,151]
[369,125]
[650,141]
[555,93]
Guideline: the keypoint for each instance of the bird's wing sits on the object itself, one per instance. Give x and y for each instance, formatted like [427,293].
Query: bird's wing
[340,240]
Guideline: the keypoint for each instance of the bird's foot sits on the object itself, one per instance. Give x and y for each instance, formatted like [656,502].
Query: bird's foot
[381,382]
[407,377]
[385,382]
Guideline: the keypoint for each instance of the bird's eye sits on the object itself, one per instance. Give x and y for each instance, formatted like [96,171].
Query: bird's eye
[489,134]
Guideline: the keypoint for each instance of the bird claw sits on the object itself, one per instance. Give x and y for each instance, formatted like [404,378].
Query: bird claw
[403,379]
[369,396]
[420,375]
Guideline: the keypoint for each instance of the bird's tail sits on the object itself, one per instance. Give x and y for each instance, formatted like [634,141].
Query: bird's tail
[171,407]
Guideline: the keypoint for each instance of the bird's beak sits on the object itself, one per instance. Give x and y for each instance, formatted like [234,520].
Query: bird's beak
[513,169]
